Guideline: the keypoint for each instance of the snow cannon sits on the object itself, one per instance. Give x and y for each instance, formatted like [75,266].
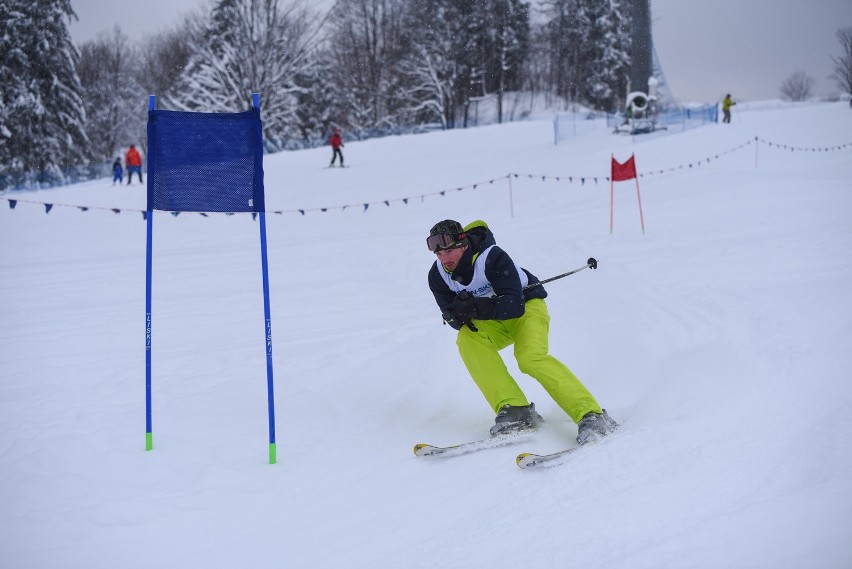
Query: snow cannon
[637,103]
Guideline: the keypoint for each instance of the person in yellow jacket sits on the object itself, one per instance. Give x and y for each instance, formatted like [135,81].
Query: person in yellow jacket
[484,295]
[727,103]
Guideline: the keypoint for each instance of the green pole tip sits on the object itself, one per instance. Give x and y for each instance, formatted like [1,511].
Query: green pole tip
[272,453]
[149,441]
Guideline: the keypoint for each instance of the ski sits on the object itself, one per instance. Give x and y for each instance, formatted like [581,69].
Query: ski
[528,460]
[423,449]
[532,461]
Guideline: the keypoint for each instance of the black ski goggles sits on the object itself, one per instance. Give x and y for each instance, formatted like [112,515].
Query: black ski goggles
[442,241]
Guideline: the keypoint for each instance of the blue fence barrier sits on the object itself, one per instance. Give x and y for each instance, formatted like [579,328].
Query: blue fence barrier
[675,119]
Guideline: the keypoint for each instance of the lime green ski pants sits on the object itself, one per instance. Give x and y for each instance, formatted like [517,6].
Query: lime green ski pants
[529,333]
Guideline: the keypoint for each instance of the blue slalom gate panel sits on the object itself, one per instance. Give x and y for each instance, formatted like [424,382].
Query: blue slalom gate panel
[205,162]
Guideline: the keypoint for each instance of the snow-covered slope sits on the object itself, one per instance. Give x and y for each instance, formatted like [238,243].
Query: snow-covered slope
[719,338]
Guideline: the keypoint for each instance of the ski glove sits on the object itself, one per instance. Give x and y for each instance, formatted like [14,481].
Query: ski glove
[466,308]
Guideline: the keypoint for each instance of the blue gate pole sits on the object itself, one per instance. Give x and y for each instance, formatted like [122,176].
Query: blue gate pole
[270,392]
[149,216]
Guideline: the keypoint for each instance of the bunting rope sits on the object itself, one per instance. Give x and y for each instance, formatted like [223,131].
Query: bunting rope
[422,197]
[804,148]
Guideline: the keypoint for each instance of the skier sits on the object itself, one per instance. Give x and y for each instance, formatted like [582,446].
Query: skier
[117,172]
[336,142]
[133,162]
[727,103]
[480,292]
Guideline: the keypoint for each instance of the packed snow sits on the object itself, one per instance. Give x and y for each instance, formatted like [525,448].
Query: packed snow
[719,339]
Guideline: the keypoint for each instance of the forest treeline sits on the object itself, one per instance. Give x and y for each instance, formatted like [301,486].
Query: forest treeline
[364,66]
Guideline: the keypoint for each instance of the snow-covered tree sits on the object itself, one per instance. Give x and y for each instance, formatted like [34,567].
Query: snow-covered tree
[42,118]
[252,46]
[502,31]
[603,52]
[798,87]
[365,49]
[564,40]
[460,50]
[536,66]
[164,55]
[114,102]
[319,105]
[432,63]
[843,64]
[589,45]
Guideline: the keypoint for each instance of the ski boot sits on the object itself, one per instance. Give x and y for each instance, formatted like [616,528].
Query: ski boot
[595,426]
[511,419]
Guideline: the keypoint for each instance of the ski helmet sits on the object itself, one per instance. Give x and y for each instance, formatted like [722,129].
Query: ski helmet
[447,234]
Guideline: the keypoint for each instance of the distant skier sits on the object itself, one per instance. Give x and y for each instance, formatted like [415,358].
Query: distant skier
[134,164]
[480,291]
[727,103]
[117,172]
[336,142]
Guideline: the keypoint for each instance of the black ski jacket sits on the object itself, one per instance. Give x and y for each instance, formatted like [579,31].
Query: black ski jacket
[500,270]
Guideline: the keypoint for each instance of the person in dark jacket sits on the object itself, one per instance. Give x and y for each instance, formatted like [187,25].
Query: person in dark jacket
[336,142]
[484,295]
[117,172]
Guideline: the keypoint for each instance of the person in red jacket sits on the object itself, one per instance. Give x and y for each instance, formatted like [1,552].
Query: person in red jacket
[336,142]
[133,163]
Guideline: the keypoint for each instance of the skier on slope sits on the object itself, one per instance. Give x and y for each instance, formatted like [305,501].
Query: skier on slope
[480,292]
[133,162]
[336,142]
[117,172]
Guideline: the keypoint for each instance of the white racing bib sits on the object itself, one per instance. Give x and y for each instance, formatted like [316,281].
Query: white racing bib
[479,284]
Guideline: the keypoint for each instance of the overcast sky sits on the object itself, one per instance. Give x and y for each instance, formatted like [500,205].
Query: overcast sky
[707,47]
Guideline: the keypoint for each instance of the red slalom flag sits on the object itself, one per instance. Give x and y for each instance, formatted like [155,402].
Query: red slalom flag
[620,173]
[626,171]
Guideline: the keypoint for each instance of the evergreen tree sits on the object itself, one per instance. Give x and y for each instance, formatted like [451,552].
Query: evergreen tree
[564,41]
[41,111]
[589,46]
[604,59]
[503,31]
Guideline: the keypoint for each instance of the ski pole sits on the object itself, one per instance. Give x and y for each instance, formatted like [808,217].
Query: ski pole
[592,263]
